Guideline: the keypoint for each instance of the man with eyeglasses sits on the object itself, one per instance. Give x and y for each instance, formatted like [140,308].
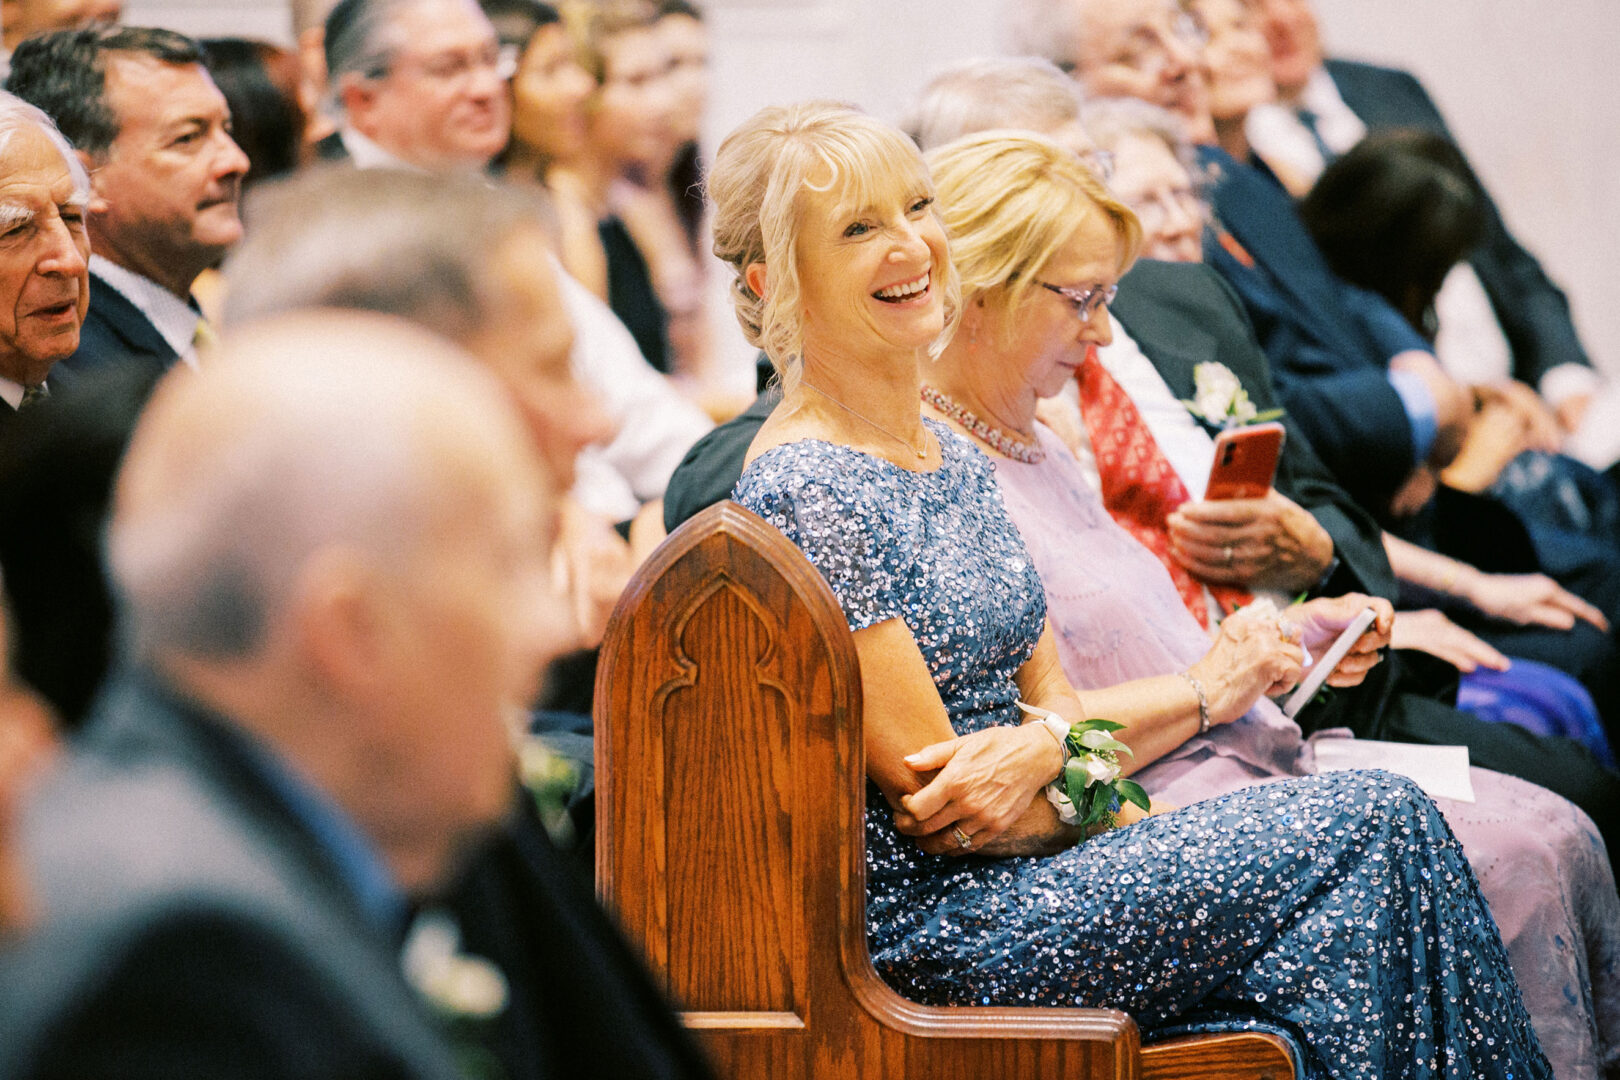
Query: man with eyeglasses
[418,84]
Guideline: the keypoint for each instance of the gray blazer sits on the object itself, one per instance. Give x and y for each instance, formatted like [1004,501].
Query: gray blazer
[191,925]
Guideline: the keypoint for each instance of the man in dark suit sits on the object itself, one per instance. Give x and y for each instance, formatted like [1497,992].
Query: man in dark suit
[44,287]
[141,110]
[419,84]
[1533,313]
[309,738]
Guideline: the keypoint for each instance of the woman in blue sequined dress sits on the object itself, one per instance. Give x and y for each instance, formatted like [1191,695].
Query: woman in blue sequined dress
[1338,907]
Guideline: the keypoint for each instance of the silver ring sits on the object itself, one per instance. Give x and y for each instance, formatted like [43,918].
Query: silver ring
[962,838]
[1228,554]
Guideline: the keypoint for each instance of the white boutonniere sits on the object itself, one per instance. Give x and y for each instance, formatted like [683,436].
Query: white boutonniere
[456,985]
[1220,401]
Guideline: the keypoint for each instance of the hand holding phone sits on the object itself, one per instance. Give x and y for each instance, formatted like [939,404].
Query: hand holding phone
[1245,461]
[1328,661]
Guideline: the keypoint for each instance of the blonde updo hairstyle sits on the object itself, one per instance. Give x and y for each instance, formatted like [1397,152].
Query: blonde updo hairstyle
[760,177]
[1011,200]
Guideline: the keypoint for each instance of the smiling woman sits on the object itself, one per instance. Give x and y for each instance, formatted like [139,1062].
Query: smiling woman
[978,889]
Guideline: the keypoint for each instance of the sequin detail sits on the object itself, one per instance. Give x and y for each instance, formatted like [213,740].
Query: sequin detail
[1338,907]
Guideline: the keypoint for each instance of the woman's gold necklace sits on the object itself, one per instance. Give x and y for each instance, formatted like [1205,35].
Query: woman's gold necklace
[921,454]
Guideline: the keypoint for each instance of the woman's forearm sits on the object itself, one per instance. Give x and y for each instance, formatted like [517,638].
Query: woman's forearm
[1159,713]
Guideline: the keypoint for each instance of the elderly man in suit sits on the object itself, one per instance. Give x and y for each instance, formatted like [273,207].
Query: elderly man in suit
[471,262]
[44,253]
[332,560]
[1329,105]
[141,110]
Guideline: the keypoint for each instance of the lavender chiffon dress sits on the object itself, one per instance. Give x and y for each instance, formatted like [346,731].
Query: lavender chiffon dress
[1336,907]
[1541,864]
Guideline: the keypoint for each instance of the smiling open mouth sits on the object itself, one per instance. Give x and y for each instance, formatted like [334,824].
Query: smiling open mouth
[906,290]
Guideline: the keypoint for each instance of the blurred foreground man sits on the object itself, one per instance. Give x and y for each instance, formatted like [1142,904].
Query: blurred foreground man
[331,559]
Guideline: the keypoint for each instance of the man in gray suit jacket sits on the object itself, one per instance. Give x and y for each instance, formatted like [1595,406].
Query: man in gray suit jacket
[331,562]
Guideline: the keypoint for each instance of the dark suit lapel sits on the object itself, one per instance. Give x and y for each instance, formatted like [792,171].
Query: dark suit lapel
[126,322]
[1168,335]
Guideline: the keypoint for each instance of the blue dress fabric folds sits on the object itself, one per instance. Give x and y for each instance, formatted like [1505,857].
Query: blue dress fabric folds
[1338,908]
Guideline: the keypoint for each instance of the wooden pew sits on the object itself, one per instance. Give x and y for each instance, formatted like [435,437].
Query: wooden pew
[730,790]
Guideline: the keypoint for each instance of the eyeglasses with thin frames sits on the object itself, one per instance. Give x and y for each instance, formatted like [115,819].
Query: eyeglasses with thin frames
[1086,302]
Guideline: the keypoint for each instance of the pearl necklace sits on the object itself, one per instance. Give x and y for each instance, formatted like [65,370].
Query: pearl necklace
[921,454]
[998,440]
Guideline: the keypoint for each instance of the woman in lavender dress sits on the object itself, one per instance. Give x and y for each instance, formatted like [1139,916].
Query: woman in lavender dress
[1121,629]
[1337,907]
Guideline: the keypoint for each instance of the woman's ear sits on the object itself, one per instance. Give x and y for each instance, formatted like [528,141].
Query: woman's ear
[754,278]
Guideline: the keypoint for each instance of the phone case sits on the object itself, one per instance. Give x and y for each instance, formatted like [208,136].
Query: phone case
[1245,462]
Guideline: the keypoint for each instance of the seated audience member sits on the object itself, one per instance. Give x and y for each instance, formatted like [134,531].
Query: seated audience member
[844,277]
[1360,382]
[1025,218]
[27,742]
[44,197]
[21,19]
[1522,614]
[308,736]
[418,83]
[260,84]
[158,218]
[627,120]
[653,424]
[1501,301]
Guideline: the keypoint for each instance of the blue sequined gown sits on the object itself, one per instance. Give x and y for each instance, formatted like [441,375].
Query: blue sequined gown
[1338,907]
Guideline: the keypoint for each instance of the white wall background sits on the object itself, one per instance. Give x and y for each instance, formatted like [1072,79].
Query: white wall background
[1529,89]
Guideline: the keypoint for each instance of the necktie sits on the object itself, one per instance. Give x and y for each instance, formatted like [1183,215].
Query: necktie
[1139,487]
[33,395]
[203,338]
[1309,119]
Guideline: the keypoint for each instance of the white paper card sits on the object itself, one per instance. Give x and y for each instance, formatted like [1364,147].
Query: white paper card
[1442,771]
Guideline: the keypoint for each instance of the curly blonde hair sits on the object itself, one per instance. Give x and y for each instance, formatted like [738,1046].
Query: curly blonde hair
[1011,200]
[759,176]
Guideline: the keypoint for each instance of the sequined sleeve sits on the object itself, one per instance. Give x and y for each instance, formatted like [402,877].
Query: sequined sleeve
[837,521]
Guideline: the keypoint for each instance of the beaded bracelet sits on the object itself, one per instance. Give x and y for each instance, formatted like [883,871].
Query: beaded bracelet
[1203,702]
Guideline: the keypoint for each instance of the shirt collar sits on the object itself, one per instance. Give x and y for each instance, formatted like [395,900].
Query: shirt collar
[368,155]
[11,392]
[173,318]
[358,862]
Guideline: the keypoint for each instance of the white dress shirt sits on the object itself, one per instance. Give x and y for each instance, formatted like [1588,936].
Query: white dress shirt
[174,319]
[11,392]
[1470,344]
[655,424]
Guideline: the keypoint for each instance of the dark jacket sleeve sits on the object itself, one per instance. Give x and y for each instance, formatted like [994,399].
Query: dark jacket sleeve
[711,468]
[1533,312]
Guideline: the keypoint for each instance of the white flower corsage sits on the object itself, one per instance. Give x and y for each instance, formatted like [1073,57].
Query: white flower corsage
[455,984]
[1089,790]
[1220,400]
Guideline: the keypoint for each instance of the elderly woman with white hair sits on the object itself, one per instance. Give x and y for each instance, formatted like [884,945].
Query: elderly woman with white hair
[1338,907]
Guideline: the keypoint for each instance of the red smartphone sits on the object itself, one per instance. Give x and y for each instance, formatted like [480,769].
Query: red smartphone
[1245,462]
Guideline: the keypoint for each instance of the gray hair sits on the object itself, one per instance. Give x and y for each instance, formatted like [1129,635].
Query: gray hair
[1109,121]
[361,36]
[1049,29]
[398,242]
[17,115]
[992,92]
[312,437]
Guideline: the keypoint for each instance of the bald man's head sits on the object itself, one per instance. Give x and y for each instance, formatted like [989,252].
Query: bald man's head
[338,537]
